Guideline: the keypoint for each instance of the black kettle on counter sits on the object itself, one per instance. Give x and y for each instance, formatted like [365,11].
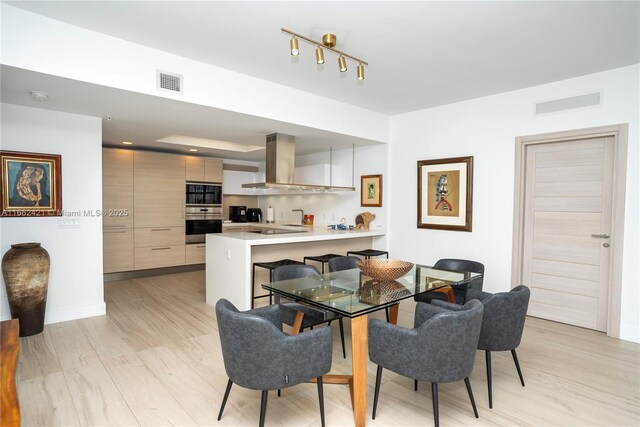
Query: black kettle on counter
[254,215]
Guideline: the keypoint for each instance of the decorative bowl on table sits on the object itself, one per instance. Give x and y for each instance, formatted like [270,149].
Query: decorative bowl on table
[384,269]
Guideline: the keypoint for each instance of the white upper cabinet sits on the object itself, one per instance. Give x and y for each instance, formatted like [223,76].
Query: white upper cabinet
[232,183]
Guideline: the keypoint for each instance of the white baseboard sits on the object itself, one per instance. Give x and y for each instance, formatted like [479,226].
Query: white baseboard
[63,314]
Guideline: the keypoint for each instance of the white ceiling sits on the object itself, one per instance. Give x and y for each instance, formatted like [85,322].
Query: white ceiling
[145,118]
[421,54]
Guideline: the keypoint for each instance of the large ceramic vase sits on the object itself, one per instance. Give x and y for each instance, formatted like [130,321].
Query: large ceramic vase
[25,268]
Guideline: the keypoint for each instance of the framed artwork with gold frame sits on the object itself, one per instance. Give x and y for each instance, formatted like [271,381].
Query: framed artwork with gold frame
[31,184]
[371,191]
[445,193]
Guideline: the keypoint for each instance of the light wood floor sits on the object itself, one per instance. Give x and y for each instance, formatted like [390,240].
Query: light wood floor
[155,359]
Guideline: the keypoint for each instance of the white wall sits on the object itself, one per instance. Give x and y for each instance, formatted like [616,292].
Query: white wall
[486,129]
[328,208]
[34,42]
[75,279]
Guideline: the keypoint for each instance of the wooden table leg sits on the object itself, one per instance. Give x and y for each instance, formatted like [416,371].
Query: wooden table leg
[359,332]
[393,314]
[297,323]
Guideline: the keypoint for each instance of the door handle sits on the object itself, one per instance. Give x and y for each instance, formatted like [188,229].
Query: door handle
[600,236]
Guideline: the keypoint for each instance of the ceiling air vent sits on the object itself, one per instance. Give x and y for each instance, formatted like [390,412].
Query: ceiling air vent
[572,103]
[169,82]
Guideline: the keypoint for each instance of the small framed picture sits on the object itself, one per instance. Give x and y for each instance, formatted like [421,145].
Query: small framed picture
[371,190]
[31,184]
[445,190]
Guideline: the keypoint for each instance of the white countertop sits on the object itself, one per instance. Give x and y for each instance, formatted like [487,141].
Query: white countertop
[311,234]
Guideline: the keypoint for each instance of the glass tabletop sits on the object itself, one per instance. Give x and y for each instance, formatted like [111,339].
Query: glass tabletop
[351,293]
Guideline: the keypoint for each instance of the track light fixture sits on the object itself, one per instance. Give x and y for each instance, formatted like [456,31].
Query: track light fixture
[319,55]
[294,46]
[328,42]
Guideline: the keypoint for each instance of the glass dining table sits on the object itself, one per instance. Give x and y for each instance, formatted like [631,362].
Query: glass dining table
[352,294]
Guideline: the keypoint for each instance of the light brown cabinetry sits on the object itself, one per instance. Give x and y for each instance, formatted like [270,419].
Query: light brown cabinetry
[195,253]
[117,188]
[117,206]
[159,189]
[160,256]
[202,169]
[118,250]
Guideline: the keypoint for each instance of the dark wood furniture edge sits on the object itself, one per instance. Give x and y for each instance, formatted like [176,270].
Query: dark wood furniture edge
[9,348]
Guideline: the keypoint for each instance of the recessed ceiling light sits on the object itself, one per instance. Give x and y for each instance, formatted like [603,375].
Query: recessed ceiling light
[38,96]
[127,142]
[193,149]
[209,143]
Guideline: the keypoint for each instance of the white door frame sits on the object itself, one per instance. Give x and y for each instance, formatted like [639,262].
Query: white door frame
[619,133]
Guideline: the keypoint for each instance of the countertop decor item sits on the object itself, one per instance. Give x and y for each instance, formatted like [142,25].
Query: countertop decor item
[384,269]
[363,220]
[31,184]
[25,268]
[445,193]
[371,191]
[375,292]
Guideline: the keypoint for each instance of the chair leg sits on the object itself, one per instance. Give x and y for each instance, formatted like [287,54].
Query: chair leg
[434,392]
[321,399]
[473,401]
[515,359]
[386,312]
[377,392]
[415,385]
[488,359]
[224,399]
[279,392]
[253,286]
[344,352]
[270,280]
[263,406]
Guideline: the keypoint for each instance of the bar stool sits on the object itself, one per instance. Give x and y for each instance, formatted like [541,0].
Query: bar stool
[368,253]
[270,265]
[322,259]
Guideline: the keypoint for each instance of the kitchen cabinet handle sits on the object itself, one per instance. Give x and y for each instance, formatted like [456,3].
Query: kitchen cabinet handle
[114,231]
[159,249]
[201,246]
[115,225]
[600,236]
[160,229]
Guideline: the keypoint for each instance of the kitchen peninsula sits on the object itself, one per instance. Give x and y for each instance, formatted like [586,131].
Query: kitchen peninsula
[230,256]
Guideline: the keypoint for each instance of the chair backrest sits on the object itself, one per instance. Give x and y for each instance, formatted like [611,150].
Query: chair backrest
[463,265]
[343,263]
[259,356]
[250,344]
[450,340]
[503,322]
[287,272]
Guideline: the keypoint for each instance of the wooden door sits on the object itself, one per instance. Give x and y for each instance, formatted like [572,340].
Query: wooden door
[567,221]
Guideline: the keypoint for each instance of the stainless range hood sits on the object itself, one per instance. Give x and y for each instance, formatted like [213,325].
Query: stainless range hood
[280,167]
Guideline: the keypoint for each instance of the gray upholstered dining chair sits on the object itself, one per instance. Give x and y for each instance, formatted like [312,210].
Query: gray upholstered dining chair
[502,324]
[459,291]
[259,356]
[343,263]
[312,316]
[440,348]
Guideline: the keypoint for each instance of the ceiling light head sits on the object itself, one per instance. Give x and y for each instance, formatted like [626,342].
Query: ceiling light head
[319,55]
[342,63]
[38,96]
[127,142]
[193,149]
[294,46]
[329,40]
[360,71]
